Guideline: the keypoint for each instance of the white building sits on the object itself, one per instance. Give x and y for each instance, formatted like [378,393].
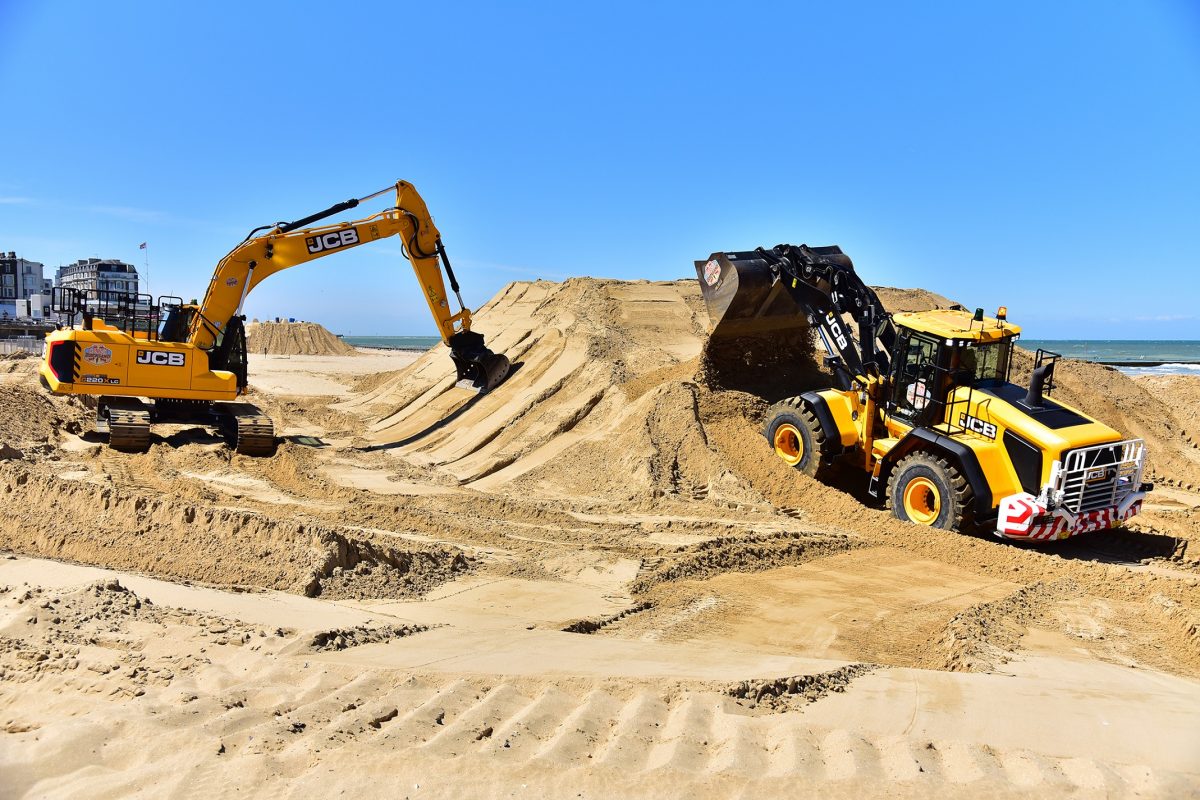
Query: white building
[98,274]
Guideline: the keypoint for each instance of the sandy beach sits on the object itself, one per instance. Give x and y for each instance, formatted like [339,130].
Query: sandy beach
[595,581]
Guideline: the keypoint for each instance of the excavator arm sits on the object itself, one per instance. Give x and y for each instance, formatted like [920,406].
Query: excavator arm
[287,244]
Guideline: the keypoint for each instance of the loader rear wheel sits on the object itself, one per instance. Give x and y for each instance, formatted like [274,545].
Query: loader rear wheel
[929,490]
[797,438]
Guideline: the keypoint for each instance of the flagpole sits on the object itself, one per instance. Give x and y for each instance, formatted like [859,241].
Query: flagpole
[146,263]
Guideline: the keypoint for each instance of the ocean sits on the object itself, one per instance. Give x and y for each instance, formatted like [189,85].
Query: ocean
[393,342]
[1133,357]
[1130,356]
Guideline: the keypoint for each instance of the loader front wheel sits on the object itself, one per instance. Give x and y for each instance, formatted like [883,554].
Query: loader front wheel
[797,438]
[929,490]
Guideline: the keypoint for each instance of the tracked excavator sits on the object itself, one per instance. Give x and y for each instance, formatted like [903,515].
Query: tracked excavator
[921,402]
[146,361]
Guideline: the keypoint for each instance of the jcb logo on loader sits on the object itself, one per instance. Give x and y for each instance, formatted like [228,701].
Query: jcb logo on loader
[976,425]
[161,358]
[332,240]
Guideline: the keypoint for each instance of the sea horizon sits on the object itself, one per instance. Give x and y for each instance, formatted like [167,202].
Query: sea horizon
[1131,356]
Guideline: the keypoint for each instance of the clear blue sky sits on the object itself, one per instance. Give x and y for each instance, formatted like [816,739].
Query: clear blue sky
[1041,155]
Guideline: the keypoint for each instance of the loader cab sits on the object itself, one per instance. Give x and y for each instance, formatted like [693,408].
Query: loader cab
[940,350]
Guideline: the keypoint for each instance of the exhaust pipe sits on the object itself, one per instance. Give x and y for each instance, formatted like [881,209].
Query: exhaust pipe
[1037,384]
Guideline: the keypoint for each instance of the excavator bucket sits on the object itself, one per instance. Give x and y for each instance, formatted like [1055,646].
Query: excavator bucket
[760,339]
[479,369]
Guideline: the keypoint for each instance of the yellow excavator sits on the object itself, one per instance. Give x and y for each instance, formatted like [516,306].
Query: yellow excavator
[920,401]
[189,360]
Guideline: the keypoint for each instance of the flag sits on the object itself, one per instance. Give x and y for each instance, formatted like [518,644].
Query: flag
[142,246]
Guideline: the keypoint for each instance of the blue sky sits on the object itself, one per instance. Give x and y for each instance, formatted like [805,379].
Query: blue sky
[1038,155]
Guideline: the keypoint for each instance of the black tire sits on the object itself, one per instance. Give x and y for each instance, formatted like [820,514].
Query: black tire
[929,490]
[795,435]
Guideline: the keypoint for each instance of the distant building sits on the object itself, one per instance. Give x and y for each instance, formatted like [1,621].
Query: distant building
[98,274]
[24,292]
[107,280]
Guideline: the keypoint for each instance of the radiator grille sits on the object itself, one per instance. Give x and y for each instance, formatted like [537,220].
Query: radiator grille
[1101,476]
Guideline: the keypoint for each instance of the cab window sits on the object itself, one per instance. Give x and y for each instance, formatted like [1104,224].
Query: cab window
[990,361]
[915,385]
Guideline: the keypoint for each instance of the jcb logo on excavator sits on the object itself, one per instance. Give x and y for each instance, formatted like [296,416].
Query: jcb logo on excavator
[332,240]
[161,358]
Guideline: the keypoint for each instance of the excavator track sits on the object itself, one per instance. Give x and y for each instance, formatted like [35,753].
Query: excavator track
[250,431]
[128,423]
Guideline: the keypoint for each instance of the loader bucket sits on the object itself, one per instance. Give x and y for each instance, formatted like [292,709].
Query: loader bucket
[760,340]
[479,369]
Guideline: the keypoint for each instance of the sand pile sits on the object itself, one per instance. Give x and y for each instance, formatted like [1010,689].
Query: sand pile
[603,400]
[294,339]
[30,416]
[575,347]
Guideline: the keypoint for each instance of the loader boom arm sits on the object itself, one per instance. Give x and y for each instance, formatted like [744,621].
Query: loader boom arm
[824,284]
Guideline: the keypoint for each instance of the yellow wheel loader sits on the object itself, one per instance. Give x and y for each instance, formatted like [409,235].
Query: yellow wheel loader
[920,401]
[147,361]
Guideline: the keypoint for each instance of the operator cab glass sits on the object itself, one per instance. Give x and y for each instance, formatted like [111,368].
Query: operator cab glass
[987,361]
[919,367]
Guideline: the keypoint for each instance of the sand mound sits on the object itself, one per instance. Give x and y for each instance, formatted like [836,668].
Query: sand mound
[603,398]
[30,416]
[294,339]
[575,346]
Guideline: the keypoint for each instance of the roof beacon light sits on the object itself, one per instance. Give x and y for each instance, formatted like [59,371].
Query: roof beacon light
[1001,316]
[978,315]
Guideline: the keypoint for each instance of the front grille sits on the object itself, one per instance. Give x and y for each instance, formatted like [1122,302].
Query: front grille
[1101,476]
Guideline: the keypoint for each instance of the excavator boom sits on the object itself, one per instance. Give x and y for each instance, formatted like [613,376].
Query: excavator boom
[288,244]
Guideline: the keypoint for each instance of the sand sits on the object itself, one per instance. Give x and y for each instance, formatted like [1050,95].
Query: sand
[294,339]
[594,581]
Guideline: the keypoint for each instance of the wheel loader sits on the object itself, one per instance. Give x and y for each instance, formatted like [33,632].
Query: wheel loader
[920,402]
[145,361]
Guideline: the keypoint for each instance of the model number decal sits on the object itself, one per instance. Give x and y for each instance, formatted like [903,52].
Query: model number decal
[332,240]
[976,425]
[161,358]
